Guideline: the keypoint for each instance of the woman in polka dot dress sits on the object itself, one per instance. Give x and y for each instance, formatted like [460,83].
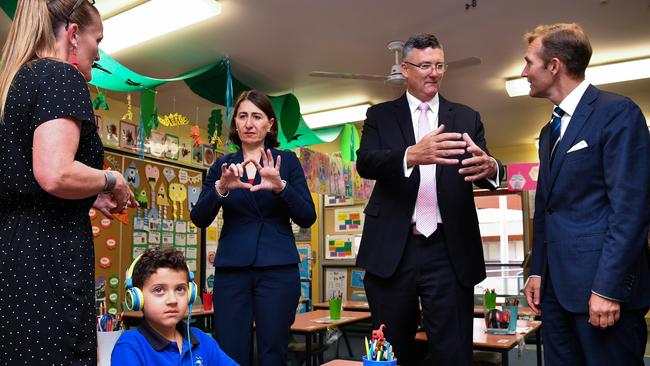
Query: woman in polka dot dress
[50,176]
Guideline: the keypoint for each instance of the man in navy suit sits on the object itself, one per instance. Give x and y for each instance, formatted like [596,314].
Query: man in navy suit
[421,241]
[590,259]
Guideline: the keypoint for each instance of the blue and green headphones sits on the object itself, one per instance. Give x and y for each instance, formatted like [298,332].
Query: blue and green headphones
[135,299]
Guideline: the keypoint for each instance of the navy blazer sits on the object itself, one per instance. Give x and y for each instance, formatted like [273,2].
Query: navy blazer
[256,225]
[387,132]
[592,205]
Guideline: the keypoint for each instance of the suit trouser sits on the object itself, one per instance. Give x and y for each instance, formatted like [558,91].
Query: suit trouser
[268,296]
[424,272]
[570,340]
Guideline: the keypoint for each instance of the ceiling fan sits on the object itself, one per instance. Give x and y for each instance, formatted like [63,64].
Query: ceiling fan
[394,77]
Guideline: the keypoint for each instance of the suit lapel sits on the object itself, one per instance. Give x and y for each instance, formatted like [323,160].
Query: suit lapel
[404,120]
[576,124]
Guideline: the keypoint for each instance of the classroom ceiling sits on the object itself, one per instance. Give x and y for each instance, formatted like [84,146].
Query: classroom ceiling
[273,45]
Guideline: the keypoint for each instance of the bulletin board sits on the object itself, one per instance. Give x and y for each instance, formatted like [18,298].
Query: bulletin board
[343,226]
[166,194]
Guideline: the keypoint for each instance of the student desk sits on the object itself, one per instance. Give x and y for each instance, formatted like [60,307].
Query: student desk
[132,318]
[347,305]
[501,343]
[303,324]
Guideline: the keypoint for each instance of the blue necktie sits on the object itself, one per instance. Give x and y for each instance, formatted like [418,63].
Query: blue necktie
[556,128]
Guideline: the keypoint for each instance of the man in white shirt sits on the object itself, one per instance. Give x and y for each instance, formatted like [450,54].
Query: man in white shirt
[421,241]
[590,274]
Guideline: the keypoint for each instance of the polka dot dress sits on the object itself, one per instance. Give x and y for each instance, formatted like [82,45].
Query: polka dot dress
[46,249]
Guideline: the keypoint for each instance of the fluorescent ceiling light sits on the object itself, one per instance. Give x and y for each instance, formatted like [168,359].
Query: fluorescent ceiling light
[597,75]
[336,116]
[153,19]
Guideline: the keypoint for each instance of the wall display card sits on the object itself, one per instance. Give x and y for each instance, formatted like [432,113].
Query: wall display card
[167,225]
[336,283]
[155,224]
[211,234]
[137,250]
[348,219]
[303,252]
[357,278]
[139,238]
[167,238]
[181,226]
[179,239]
[301,233]
[191,239]
[191,253]
[191,264]
[339,247]
[338,201]
[140,223]
[154,237]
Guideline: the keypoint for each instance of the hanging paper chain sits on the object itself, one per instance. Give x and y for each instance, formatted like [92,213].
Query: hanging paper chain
[128,116]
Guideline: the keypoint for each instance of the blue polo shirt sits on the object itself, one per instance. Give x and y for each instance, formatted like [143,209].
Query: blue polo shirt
[145,346]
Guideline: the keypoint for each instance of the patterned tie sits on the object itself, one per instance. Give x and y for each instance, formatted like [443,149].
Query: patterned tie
[427,201]
[556,128]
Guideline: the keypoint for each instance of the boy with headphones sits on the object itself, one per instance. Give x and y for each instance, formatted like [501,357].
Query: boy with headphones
[161,285]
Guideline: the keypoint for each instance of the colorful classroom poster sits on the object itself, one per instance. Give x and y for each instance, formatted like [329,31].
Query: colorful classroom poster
[339,247]
[348,171]
[338,201]
[336,184]
[356,279]
[348,219]
[303,252]
[336,283]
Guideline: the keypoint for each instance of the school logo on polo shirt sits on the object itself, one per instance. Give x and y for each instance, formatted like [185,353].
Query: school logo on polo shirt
[198,361]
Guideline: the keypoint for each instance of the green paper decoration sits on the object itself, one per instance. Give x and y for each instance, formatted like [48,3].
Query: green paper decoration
[287,109]
[350,142]
[100,101]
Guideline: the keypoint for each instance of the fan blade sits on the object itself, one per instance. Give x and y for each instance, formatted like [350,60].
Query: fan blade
[464,62]
[347,75]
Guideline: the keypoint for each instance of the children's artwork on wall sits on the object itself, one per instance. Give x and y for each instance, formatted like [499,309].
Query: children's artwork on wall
[128,135]
[336,184]
[197,155]
[303,252]
[185,150]
[348,176]
[171,147]
[336,283]
[111,133]
[306,161]
[356,279]
[348,219]
[157,144]
[321,163]
[339,247]
[208,155]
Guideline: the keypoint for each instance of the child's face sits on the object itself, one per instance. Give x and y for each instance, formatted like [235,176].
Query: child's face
[165,297]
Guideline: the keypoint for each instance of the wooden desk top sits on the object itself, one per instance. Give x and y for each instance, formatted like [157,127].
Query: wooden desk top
[347,305]
[481,338]
[343,363]
[196,311]
[303,324]
[479,310]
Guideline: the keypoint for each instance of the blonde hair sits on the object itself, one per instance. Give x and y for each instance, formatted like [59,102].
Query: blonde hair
[32,35]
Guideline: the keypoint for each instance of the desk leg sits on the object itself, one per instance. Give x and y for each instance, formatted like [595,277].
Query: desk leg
[538,341]
[308,349]
[504,357]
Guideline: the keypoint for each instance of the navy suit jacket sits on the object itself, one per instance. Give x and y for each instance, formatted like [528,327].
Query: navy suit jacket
[387,132]
[256,228]
[592,205]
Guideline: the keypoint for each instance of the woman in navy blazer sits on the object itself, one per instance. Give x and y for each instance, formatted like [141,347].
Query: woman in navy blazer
[260,190]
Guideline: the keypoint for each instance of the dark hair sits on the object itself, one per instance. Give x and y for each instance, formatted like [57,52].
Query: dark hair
[420,41]
[566,42]
[152,259]
[262,102]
